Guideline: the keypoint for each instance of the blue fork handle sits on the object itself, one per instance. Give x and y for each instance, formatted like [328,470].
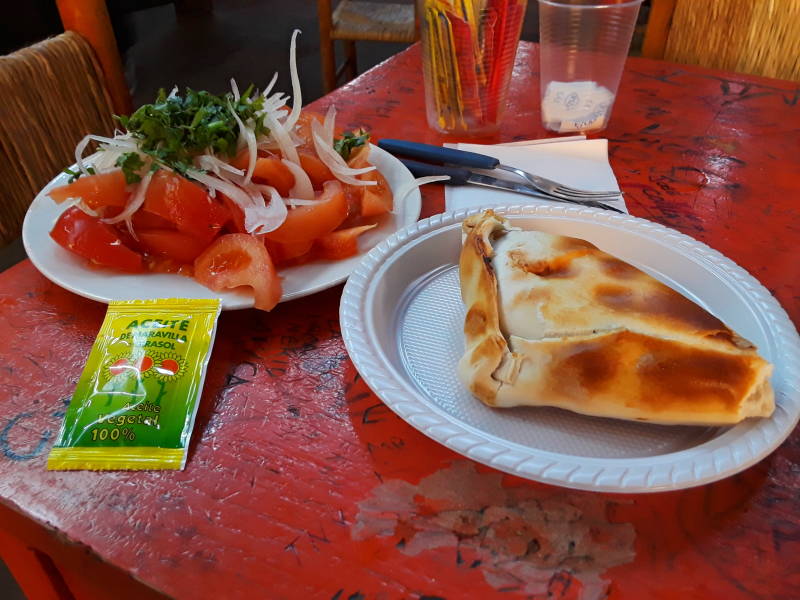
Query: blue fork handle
[438,154]
[457,175]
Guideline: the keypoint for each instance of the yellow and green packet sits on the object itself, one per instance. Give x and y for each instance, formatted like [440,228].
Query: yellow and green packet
[135,403]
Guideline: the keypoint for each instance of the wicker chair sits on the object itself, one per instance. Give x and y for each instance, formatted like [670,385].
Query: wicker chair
[747,36]
[54,93]
[356,20]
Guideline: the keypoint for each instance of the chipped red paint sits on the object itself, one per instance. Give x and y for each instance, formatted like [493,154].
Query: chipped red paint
[291,449]
[522,538]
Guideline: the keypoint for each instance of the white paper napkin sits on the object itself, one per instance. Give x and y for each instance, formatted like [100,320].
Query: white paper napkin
[573,161]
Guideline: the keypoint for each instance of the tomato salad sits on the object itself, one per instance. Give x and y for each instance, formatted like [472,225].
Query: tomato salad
[226,189]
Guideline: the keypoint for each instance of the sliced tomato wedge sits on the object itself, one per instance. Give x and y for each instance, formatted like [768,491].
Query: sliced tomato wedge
[313,221]
[100,243]
[241,160]
[339,244]
[161,264]
[359,157]
[239,259]
[143,219]
[372,200]
[302,130]
[282,254]
[96,191]
[316,170]
[271,171]
[185,204]
[168,243]
[375,199]
[235,222]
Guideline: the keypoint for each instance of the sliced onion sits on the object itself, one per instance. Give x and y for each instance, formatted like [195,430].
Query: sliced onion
[235,89]
[302,189]
[123,143]
[338,167]
[328,125]
[173,93]
[248,137]
[270,85]
[263,218]
[231,190]
[80,204]
[275,102]
[282,137]
[333,156]
[297,101]
[106,158]
[259,216]
[209,162]
[269,143]
[301,202]
[133,205]
[405,189]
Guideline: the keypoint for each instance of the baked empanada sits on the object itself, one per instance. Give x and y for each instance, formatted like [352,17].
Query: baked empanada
[554,321]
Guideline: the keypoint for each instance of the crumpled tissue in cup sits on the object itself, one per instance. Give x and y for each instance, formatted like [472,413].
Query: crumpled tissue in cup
[576,106]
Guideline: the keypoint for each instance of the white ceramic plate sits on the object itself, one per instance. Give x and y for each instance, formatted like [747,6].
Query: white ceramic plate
[71,272]
[402,317]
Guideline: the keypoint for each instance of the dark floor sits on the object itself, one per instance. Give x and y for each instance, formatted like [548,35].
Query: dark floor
[8,587]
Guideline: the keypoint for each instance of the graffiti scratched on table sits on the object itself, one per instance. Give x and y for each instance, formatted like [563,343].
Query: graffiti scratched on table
[24,436]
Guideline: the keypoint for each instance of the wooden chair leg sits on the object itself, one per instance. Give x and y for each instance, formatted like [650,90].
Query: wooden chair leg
[351,70]
[327,52]
[658,25]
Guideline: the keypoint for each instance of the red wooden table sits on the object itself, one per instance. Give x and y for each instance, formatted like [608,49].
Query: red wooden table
[301,484]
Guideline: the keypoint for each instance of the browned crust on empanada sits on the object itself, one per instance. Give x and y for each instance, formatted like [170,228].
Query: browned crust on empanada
[612,340]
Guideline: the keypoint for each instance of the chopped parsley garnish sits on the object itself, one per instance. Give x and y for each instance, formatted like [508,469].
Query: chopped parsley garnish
[76,174]
[174,129]
[131,164]
[349,141]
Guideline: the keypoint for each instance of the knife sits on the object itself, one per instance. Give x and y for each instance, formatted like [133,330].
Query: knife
[462,176]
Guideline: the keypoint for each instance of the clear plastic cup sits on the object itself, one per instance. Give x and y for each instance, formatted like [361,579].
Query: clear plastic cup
[583,45]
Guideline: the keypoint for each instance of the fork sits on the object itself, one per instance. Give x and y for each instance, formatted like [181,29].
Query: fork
[475,160]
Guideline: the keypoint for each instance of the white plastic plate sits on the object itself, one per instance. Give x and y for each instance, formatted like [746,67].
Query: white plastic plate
[402,319]
[72,272]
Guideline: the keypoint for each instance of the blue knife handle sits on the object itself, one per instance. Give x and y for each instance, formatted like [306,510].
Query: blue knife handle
[457,175]
[438,154]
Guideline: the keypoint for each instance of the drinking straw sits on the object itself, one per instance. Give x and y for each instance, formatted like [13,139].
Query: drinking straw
[465,60]
[451,66]
[488,45]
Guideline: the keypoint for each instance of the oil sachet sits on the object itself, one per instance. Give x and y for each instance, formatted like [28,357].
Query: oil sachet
[135,403]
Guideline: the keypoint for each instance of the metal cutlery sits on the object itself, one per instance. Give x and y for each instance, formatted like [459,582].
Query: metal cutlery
[462,176]
[462,158]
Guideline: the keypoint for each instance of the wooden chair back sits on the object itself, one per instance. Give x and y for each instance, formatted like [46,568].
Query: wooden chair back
[361,20]
[747,36]
[53,94]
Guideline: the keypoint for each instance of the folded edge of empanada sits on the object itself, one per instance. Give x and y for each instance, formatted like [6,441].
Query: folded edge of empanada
[624,372]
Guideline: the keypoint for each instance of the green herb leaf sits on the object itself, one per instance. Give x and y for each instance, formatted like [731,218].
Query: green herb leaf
[76,174]
[175,129]
[131,164]
[349,141]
